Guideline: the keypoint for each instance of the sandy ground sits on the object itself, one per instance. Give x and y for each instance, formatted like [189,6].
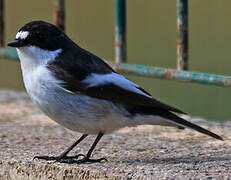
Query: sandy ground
[144,152]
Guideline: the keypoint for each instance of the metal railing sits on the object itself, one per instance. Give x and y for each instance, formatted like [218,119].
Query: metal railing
[179,74]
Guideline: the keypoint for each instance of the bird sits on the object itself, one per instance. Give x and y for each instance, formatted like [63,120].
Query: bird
[81,92]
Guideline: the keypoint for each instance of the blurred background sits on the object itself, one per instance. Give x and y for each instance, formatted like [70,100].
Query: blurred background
[151,40]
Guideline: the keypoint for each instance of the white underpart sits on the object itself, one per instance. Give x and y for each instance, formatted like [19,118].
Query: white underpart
[100,79]
[22,34]
[32,56]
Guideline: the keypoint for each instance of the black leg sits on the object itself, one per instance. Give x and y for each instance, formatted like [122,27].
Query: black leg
[64,156]
[100,135]
[86,158]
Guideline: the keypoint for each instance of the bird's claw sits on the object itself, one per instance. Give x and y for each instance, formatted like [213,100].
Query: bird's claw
[82,161]
[70,159]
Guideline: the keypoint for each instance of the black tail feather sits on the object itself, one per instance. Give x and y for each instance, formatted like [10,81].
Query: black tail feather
[181,122]
[171,117]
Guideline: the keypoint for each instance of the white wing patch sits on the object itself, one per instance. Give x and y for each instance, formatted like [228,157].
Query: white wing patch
[100,79]
[22,35]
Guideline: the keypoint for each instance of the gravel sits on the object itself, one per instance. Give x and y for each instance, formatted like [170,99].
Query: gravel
[144,152]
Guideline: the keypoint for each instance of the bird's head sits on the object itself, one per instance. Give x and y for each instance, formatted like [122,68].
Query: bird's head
[39,42]
[39,34]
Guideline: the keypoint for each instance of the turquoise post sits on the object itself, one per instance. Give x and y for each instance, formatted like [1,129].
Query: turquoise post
[120,36]
[182,35]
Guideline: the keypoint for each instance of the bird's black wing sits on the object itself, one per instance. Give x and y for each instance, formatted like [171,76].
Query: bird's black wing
[89,75]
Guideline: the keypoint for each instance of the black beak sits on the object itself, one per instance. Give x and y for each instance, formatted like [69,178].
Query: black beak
[15,43]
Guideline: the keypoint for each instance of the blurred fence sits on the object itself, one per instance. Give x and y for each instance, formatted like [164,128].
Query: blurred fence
[180,74]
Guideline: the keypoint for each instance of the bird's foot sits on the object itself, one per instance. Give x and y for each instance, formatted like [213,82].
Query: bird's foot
[85,159]
[58,158]
[70,159]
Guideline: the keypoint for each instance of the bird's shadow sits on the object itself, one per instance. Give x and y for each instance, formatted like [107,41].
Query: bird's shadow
[178,160]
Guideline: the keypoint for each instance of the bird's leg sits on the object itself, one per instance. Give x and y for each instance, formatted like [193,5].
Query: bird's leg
[64,156]
[86,158]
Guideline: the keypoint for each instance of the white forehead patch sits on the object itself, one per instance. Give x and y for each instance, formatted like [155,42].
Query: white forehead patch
[22,35]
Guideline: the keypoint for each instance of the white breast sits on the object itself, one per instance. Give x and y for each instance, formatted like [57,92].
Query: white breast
[37,78]
[39,82]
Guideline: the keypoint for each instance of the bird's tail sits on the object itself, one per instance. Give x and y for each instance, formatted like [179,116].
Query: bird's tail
[172,118]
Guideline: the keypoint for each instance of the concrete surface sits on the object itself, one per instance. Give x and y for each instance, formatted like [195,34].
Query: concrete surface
[144,152]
